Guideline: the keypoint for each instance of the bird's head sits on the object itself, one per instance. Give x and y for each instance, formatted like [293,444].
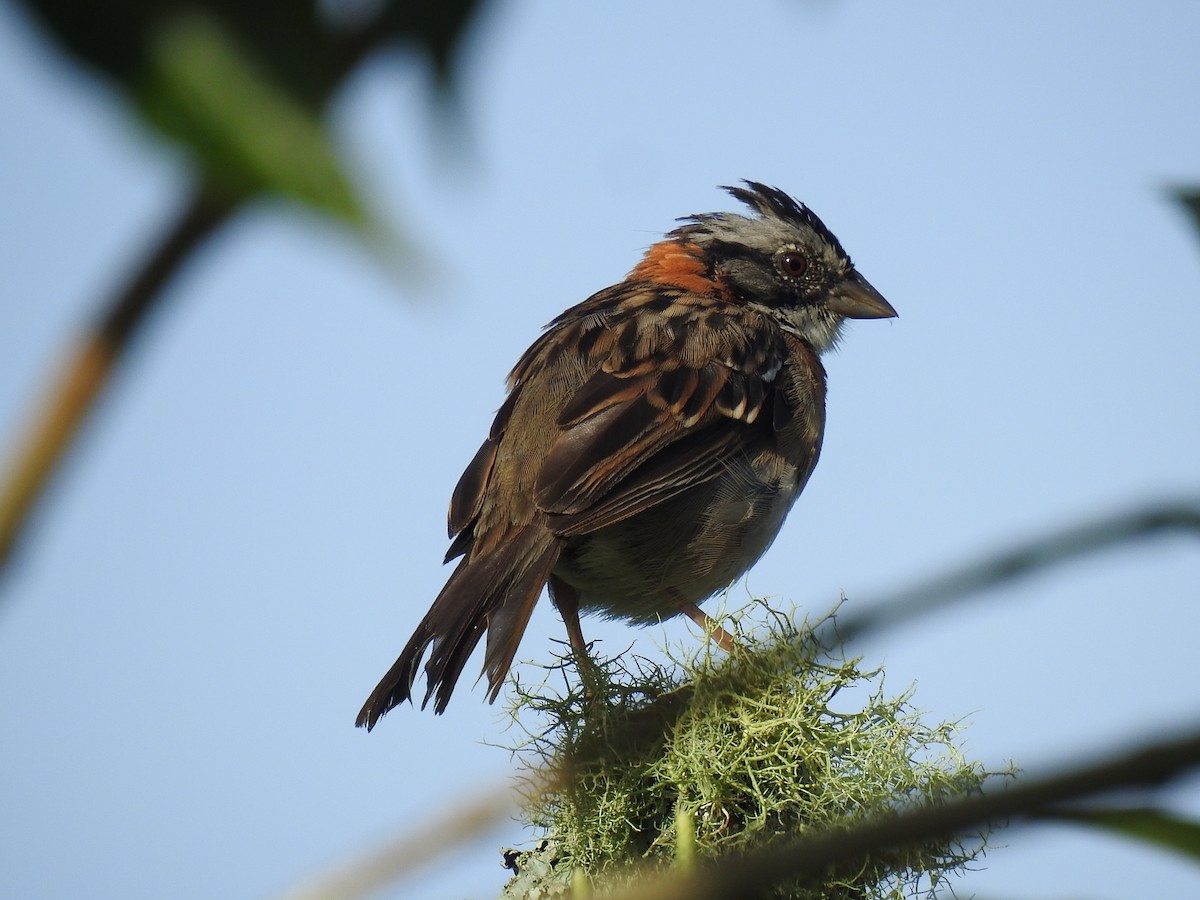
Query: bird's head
[781,260]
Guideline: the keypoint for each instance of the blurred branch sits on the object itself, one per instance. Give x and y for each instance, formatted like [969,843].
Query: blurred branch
[1042,552]
[88,370]
[399,857]
[241,87]
[1189,198]
[806,859]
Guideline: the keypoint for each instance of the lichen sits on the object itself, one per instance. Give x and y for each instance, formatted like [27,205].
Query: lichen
[783,736]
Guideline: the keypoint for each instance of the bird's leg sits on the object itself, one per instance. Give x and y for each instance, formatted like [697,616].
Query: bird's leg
[566,599]
[719,635]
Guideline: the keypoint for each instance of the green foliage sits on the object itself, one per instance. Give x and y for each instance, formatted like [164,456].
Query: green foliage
[248,135]
[710,755]
[244,87]
[308,47]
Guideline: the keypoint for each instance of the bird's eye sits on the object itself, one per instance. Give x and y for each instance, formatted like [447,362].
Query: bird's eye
[793,263]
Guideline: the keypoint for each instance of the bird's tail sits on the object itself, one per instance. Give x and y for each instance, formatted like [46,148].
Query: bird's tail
[494,592]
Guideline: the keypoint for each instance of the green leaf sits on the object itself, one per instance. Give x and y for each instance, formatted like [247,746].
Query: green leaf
[249,136]
[1146,824]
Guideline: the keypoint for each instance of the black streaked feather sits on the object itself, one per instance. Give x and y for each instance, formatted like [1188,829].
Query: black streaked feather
[697,457]
[675,387]
[597,394]
[710,380]
[461,544]
[591,456]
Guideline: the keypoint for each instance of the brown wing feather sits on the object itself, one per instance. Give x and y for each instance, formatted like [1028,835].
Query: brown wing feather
[657,384]
[469,493]
[467,499]
[600,392]
[691,460]
[641,447]
[495,592]
[593,455]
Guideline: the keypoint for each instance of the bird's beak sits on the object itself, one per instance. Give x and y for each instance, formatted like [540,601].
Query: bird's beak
[854,298]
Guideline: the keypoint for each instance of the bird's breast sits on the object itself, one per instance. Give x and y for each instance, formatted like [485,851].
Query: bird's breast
[686,549]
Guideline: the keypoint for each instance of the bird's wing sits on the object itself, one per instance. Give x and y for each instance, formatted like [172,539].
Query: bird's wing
[673,397]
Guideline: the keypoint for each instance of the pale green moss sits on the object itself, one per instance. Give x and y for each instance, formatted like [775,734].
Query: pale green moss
[781,737]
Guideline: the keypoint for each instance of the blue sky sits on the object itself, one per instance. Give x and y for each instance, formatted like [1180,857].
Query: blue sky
[255,520]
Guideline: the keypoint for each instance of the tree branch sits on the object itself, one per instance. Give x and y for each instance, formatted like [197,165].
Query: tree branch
[1026,558]
[88,371]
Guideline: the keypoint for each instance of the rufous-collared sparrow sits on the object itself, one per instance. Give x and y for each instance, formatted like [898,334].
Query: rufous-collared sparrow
[651,444]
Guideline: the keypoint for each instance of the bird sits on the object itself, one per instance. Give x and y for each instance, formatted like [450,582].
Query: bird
[651,443]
